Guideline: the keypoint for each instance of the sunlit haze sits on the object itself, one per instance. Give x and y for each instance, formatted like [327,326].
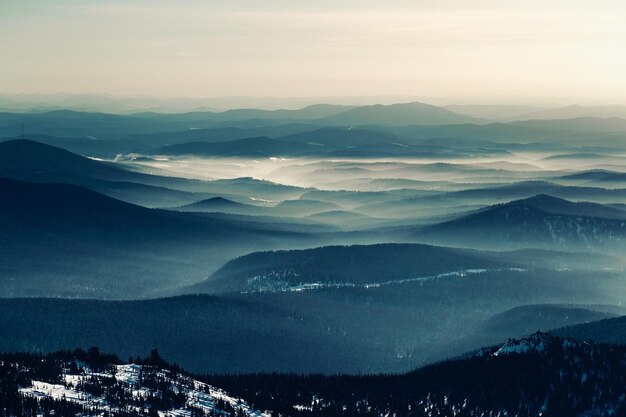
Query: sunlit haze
[438,51]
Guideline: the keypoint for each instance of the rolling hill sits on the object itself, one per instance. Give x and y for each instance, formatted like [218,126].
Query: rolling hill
[340,266]
[539,222]
[389,327]
[124,250]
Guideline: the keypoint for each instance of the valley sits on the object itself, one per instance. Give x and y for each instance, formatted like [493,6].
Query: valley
[308,250]
[312,208]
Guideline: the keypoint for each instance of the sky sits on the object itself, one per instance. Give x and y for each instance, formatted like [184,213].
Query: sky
[474,51]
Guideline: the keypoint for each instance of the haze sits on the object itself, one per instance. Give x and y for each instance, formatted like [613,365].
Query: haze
[446,51]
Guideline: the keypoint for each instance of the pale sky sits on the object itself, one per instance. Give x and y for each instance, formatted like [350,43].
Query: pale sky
[474,50]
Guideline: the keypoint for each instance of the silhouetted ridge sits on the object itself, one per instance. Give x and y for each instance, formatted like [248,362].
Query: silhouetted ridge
[21,198]
[23,157]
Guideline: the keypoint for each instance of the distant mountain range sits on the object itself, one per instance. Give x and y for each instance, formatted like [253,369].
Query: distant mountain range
[103,102]
[399,115]
[396,114]
[112,126]
[309,245]
[521,112]
[316,111]
[132,105]
[575,111]
[407,129]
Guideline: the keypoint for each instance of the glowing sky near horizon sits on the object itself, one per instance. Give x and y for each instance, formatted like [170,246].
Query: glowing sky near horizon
[481,51]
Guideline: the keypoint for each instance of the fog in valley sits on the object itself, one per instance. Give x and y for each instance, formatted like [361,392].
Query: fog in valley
[405,243]
[312,209]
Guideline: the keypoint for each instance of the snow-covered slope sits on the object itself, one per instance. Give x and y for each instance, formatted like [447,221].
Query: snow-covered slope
[138,389]
[541,375]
